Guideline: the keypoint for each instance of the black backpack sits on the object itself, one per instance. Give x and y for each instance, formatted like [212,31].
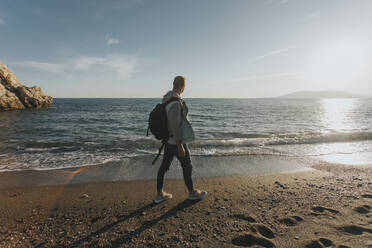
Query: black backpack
[158,123]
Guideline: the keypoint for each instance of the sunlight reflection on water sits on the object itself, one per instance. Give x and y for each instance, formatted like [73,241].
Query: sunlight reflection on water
[353,153]
[337,114]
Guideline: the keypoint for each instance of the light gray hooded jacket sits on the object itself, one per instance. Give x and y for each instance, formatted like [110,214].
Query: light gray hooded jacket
[178,125]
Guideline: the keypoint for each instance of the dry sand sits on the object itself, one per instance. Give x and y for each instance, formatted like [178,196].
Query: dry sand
[329,206]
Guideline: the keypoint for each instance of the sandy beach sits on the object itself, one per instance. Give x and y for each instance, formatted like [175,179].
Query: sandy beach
[327,206]
[262,108]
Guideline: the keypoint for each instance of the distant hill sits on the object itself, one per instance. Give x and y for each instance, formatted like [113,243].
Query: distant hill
[318,94]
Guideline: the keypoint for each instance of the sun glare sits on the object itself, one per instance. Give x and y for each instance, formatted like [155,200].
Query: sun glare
[339,64]
[336,115]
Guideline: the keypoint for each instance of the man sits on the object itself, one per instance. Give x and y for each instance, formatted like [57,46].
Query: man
[180,133]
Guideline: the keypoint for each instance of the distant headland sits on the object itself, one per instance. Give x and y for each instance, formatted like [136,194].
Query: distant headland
[14,95]
[318,94]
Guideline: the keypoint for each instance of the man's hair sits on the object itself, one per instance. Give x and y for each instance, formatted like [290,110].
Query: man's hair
[178,82]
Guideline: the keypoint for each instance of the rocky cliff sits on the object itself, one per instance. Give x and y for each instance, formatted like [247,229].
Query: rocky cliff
[14,95]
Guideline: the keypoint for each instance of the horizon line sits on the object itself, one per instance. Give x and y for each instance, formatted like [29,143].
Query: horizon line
[280,97]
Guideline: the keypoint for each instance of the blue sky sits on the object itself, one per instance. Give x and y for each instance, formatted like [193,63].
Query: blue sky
[237,48]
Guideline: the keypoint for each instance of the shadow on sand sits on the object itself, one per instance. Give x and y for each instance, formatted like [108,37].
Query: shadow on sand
[146,225]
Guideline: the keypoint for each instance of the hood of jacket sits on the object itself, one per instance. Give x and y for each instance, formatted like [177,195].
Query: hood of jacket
[169,95]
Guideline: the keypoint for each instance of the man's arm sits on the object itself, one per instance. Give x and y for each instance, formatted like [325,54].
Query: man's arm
[174,121]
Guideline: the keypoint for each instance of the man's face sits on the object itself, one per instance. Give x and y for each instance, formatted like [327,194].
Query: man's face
[183,88]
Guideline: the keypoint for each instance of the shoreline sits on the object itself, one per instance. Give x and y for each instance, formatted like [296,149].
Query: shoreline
[141,169]
[330,204]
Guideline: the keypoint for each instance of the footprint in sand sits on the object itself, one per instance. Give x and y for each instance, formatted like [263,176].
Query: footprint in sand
[326,242]
[243,217]
[322,242]
[265,231]
[291,221]
[298,218]
[251,240]
[365,209]
[355,230]
[319,210]
[367,196]
[314,244]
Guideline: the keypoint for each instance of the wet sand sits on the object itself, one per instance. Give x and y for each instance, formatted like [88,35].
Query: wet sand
[327,206]
[140,168]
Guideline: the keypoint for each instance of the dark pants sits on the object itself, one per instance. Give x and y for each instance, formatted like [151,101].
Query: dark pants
[169,152]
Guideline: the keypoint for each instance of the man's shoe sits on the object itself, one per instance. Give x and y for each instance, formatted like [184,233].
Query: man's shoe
[163,196]
[197,194]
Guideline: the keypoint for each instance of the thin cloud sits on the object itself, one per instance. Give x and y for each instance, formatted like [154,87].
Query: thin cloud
[44,66]
[118,66]
[266,76]
[278,2]
[2,21]
[311,16]
[111,41]
[272,53]
[122,66]
[281,2]
[84,63]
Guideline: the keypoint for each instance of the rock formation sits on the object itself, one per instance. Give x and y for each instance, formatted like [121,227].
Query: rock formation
[14,95]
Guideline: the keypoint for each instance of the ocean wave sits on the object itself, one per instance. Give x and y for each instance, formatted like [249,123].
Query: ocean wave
[233,153]
[233,135]
[286,139]
[321,138]
[254,145]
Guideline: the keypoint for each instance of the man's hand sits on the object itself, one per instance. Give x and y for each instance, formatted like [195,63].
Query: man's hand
[181,150]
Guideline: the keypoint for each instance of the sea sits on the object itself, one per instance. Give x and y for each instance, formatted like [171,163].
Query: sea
[90,132]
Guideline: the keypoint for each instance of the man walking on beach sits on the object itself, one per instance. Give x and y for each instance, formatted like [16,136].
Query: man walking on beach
[180,133]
